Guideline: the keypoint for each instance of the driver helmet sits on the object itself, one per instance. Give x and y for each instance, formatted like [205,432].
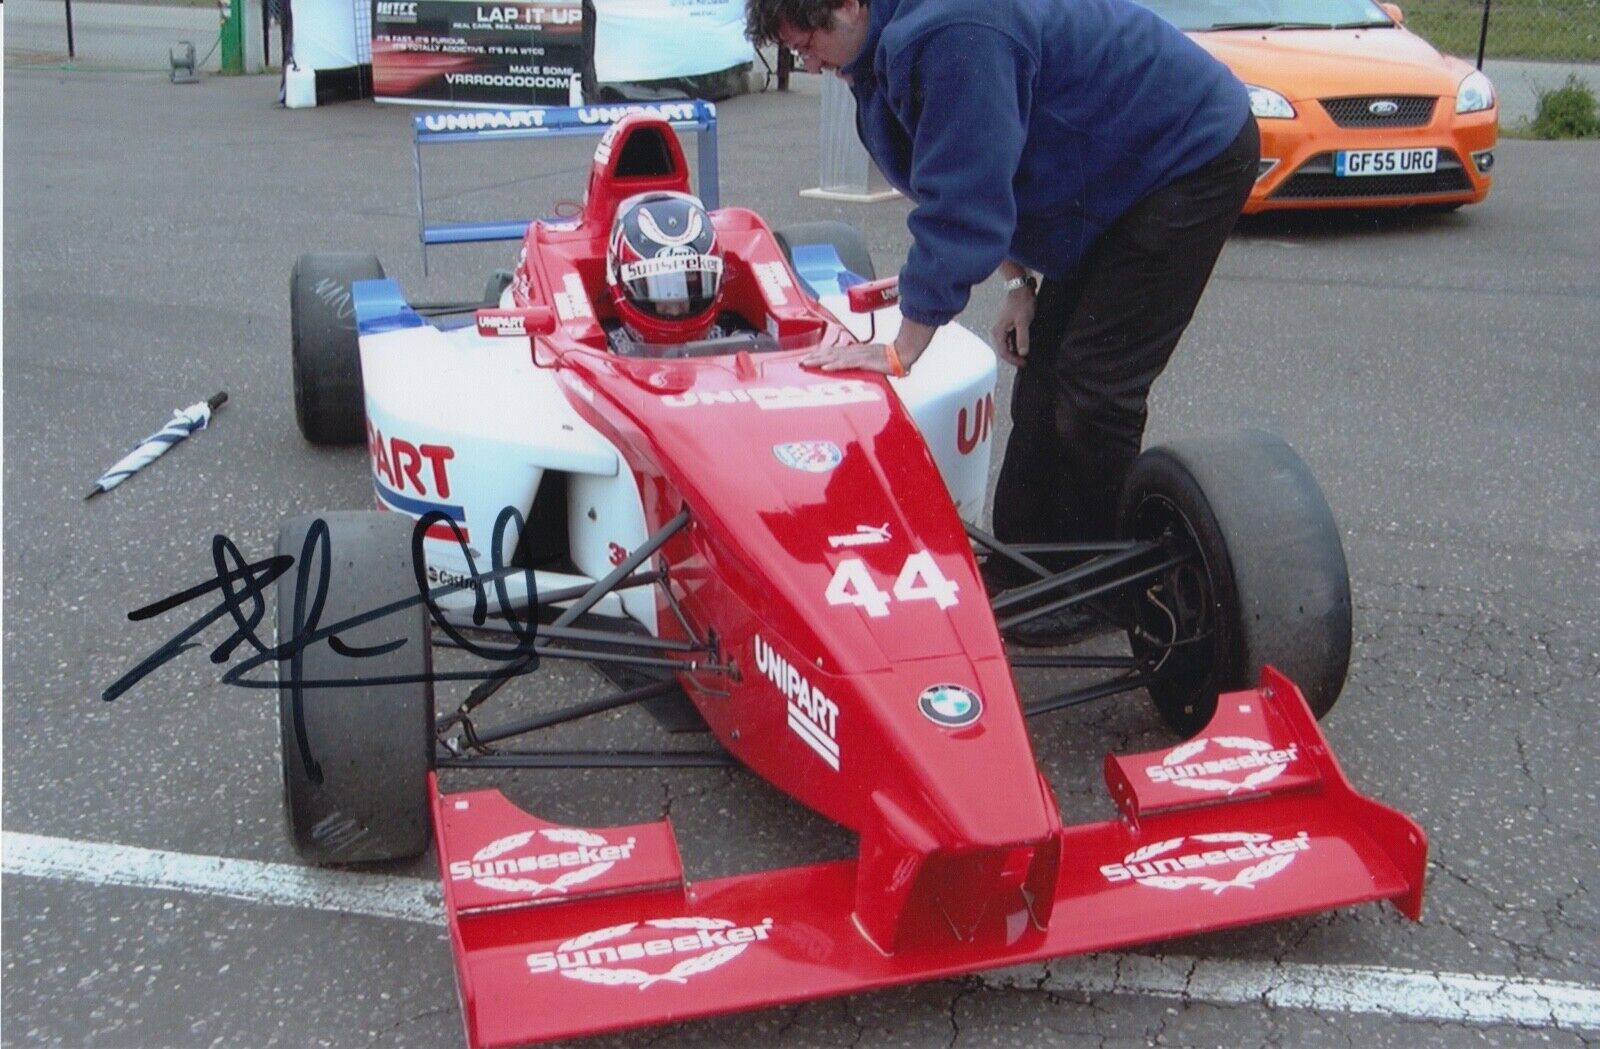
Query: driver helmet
[664,267]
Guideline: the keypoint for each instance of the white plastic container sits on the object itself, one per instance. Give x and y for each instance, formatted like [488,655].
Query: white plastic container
[299,87]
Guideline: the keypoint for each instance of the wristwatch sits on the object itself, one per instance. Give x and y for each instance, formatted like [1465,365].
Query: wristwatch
[1024,281]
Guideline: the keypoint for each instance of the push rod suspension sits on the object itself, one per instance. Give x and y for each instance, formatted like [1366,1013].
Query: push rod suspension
[1090,593]
[587,759]
[1086,694]
[1077,662]
[599,637]
[575,712]
[587,600]
[1072,576]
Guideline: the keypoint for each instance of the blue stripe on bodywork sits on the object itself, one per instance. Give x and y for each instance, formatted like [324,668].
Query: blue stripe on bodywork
[417,506]
[381,306]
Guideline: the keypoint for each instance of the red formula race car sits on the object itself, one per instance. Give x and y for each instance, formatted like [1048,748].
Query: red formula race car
[788,561]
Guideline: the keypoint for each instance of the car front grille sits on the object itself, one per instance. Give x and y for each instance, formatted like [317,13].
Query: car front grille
[1315,180]
[1411,110]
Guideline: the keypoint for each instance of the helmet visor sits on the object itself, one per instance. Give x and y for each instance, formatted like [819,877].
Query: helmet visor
[672,285]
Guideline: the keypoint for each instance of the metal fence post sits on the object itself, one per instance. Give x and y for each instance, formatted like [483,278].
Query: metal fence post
[1483,33]
[846,172]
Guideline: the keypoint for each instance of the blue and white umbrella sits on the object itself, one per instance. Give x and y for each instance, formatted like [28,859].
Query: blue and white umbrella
[195,417]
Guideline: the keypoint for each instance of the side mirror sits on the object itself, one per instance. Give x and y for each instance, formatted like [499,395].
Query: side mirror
[521,321]
[1394,12]
[874,295]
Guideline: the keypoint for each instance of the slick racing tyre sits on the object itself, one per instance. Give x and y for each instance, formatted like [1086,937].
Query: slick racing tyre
[1266,581]
[844,239]
[328,401]
[356,756]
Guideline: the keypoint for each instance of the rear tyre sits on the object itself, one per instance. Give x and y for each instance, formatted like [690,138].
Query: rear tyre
[1267,582]
[845,240]
[363,794]
[328,400]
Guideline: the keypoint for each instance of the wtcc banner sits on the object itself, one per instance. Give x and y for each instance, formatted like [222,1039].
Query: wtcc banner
[466,52]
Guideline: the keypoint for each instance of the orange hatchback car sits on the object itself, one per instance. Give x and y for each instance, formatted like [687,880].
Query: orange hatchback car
[1355,110]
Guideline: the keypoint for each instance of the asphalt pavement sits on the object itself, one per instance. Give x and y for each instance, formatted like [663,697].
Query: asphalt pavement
[1438,373]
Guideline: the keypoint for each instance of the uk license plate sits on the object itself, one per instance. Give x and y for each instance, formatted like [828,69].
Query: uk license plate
[1385,162]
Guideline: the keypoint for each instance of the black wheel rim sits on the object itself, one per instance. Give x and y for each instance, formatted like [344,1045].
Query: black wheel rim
[1173,619]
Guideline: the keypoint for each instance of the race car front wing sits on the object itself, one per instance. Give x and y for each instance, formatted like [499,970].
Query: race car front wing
[563,931]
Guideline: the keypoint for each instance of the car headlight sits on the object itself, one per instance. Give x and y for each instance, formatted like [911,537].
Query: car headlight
[1264,102]
[1475,94]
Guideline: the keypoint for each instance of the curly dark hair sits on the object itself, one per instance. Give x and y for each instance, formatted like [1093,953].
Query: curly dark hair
[762,17]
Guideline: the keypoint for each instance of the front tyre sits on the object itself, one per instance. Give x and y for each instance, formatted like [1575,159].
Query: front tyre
[356,756]
[1266,581]
[329,403]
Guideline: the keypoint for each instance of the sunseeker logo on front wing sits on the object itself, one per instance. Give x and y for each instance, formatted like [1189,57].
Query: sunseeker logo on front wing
[510,864]
[690,946]
[1251,764]
[1220,856]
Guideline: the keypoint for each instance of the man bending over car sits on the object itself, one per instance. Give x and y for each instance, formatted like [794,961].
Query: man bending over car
[1087,140]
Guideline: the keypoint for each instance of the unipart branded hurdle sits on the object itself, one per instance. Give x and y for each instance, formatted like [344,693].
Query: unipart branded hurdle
[499,125]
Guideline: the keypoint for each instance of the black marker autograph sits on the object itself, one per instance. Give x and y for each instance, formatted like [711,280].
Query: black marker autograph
[240,586]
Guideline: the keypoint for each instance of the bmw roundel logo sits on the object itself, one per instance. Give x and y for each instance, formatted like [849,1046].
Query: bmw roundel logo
[1384,108]
[953,706]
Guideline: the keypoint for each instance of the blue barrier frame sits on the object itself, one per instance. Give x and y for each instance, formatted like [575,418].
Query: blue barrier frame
[499,125]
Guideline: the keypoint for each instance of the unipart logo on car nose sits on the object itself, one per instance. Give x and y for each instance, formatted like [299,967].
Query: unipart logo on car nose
[1384,108]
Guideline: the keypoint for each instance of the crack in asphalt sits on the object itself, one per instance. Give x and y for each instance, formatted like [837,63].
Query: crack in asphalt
[791,1017]
[965,987]
[385,1036]
[853,1022]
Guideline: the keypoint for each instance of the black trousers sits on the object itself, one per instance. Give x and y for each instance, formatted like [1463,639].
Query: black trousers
[1098,341]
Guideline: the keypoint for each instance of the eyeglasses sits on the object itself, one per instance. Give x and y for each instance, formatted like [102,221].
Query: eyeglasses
[804,46]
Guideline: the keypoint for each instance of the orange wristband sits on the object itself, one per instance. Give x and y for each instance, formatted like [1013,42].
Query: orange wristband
[896,369]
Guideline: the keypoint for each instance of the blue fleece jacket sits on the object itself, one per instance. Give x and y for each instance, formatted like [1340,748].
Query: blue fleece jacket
[1021,129]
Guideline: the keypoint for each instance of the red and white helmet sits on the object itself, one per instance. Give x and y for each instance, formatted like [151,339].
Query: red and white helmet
[664,267]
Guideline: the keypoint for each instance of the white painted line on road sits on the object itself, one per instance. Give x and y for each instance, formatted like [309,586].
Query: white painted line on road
[1410,993]
[1444,997]
[275,884]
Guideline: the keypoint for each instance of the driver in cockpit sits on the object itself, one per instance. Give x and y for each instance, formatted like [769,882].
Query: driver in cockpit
[664,273]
